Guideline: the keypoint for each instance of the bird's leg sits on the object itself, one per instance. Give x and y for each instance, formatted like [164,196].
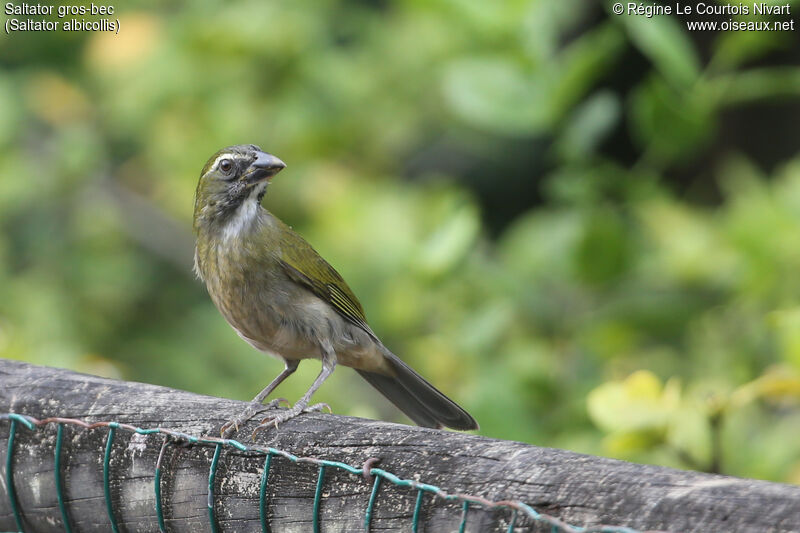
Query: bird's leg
[291,366]
[328,364]
[256,406]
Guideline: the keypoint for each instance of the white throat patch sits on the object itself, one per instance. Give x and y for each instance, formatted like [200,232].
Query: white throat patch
[245,214]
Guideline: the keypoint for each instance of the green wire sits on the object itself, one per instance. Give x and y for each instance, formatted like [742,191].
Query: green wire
[417,509]
[212,473]
[317,498]
[262,497]
[12,493]
[107,476]
[463,526]
[373,495]
[513,522]
[32,423]
[530,510]
[57,474]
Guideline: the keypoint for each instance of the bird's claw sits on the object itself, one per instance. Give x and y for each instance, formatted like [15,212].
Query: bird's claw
[318,407]
[232,426]
[225,430]
[288,414]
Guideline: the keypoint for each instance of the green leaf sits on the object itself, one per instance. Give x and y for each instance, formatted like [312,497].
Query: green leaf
[624,444]
[602,254]
[667,45]
[10,111]
[689,432]
[450,242]
[734,48]
[494,93]
[756,84]
[671,124]
[588,125]
[639,403]
[786,325]
[581,63]
[780,384]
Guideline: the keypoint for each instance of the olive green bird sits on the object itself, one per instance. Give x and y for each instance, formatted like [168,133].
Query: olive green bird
[284,299]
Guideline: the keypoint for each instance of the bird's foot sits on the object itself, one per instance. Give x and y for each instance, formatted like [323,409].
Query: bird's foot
[232,426]
[283,416]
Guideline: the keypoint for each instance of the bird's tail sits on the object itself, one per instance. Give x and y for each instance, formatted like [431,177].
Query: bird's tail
[417,398]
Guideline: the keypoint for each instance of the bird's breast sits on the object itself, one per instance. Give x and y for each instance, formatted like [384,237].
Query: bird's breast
[275,314]
[261,303]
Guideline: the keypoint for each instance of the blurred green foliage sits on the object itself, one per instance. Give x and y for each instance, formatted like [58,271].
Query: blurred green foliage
[591,305]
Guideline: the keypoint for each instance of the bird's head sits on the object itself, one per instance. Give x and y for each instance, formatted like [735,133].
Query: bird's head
[231,177]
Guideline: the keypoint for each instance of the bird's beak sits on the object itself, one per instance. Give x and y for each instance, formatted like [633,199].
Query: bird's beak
[263,168]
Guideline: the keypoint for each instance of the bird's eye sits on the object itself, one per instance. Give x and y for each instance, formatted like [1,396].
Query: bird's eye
[225,165]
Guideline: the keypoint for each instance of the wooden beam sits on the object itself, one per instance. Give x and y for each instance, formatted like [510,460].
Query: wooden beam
[577,489]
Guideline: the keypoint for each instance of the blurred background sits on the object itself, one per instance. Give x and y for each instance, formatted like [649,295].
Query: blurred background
[583,227]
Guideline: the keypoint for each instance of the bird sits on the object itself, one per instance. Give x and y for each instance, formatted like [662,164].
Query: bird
[284,299]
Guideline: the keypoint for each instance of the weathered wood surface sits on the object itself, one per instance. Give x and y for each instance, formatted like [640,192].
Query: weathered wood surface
[578,489]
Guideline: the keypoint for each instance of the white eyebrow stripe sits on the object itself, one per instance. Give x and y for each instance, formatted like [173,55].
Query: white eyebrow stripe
[225,156]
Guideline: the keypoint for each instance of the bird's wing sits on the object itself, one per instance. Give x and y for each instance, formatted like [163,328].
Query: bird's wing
[305,266]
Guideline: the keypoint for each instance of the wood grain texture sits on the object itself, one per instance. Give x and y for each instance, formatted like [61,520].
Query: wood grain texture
[578,489]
